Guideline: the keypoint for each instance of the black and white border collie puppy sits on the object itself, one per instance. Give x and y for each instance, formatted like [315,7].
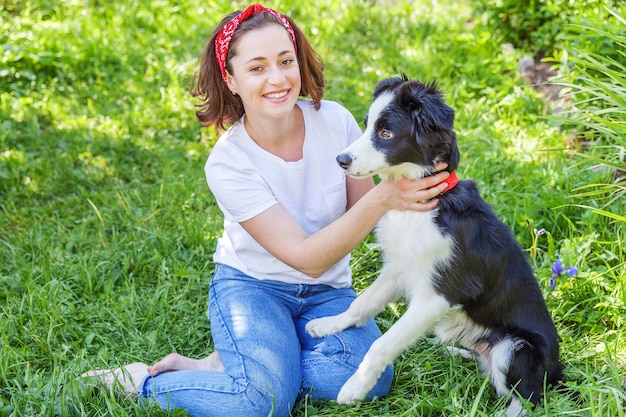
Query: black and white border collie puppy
[459,268]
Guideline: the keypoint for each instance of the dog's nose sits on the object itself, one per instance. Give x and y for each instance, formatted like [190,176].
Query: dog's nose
[344,160]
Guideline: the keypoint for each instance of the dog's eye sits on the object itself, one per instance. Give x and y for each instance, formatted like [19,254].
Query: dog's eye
[385,134]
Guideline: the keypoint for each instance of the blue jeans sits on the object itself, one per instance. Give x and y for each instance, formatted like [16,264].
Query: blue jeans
[269,359]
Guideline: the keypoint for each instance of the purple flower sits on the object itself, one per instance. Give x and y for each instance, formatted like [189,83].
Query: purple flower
[558,268]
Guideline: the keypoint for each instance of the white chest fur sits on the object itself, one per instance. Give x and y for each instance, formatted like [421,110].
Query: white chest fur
[413,246]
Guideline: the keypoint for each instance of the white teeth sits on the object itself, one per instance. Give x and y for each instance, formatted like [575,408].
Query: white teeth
[276,95]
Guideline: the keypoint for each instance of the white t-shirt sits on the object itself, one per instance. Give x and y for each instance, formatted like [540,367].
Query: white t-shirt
[247,180]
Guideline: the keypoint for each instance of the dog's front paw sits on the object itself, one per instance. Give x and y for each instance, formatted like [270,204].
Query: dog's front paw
[354,390]
[324,326]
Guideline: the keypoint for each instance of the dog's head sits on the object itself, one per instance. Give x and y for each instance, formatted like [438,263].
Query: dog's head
[409,129]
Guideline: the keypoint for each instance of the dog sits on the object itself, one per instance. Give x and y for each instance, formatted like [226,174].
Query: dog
[459,268]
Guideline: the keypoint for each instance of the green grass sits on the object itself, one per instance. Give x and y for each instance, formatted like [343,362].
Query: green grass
[107,227]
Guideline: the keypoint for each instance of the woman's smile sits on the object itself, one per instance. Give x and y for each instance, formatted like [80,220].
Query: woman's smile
[277,95]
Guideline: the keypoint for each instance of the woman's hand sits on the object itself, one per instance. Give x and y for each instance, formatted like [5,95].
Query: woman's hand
[414,195]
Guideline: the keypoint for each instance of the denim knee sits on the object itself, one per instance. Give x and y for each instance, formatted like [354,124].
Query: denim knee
[199,393]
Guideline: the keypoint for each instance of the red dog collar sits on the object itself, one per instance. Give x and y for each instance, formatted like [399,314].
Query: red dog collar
[452,181]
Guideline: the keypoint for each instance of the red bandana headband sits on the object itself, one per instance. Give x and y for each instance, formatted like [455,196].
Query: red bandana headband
[222,42]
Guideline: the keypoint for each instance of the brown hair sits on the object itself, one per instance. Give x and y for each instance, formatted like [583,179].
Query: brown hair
[218,106]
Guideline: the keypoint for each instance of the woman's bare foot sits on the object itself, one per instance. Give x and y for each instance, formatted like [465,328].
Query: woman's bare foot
[128,377]
[176,362]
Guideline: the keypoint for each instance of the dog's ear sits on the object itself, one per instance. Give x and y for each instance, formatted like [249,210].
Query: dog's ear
[387,85]
[454,156]
[429,107]
[441,114]
[428,117]
[431,114]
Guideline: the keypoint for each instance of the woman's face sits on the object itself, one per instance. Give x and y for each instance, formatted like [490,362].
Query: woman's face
[265,74]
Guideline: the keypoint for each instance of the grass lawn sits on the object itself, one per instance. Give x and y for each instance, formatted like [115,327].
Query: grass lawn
[107,227]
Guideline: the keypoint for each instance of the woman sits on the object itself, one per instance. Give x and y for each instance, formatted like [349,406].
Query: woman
[291,219]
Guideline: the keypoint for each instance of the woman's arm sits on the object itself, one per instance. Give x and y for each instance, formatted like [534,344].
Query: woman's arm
[281,235]
[357,188]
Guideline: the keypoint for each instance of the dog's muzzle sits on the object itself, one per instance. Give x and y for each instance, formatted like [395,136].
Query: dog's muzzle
[344,160]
